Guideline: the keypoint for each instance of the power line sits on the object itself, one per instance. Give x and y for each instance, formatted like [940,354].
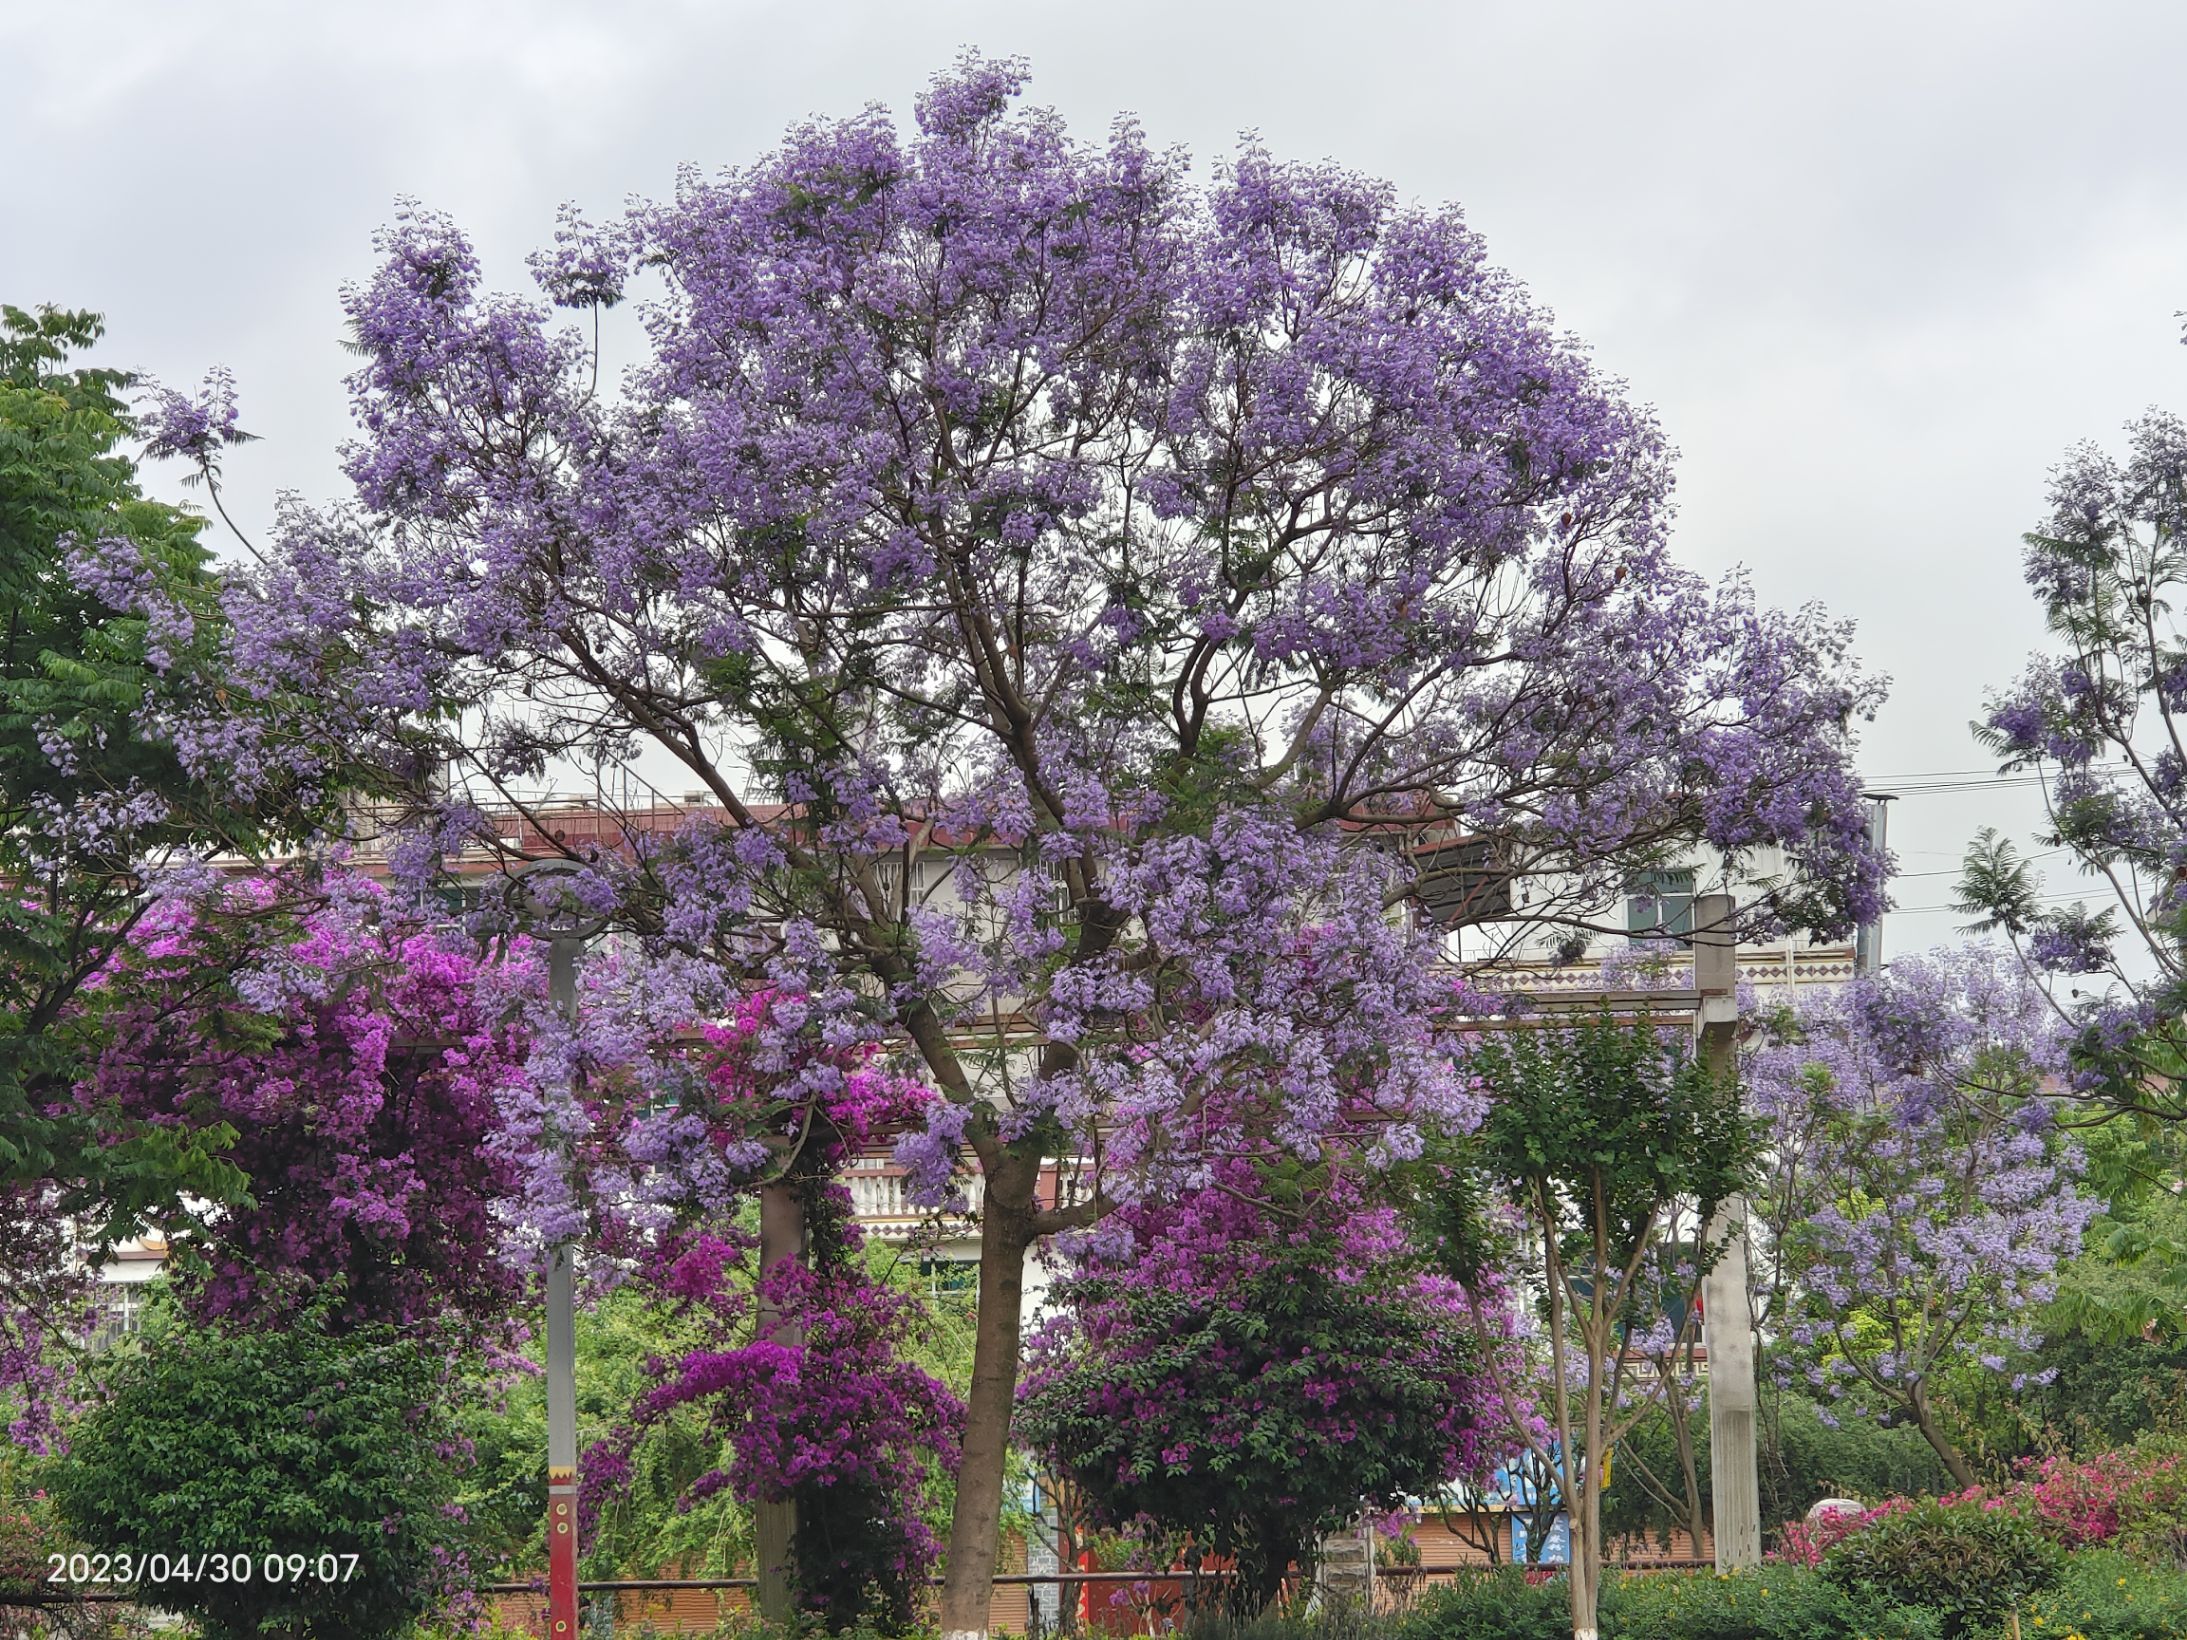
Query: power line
[1915,910]
[1959,870]
[1936,781]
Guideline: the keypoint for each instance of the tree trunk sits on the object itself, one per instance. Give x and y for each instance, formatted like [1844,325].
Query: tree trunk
[1278,1555]
[1585,1511]
[975,1525]
[774,1520]
[1925,1421]
[1688,1465]
[1583,1575]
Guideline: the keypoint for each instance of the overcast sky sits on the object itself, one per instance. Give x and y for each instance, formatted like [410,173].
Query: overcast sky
[1876,266]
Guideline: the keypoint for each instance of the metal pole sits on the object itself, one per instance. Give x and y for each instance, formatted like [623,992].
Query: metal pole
[562,952]
[1726,1319]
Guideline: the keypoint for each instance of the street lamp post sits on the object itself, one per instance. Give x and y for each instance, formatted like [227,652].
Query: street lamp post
[550,913]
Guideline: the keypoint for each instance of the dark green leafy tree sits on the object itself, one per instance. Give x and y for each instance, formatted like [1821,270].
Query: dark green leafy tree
[103,796]
[326,1458]
[1614,1146]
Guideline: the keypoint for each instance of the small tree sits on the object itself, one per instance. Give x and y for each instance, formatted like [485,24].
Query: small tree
[1612,1144]
[324,1459]
[1253,1375]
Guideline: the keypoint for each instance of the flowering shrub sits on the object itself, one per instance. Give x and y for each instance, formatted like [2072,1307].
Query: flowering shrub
[358,1072]
[2134,1498]
[1804,1543]
[802,1375]
[1248,1375]
[28,1533]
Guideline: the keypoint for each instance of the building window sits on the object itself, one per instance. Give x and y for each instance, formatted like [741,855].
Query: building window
[951,1278]
[120,1312]
[1659,906]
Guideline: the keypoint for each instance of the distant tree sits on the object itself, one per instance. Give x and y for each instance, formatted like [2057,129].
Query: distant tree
[1920,1200]
[2102,720]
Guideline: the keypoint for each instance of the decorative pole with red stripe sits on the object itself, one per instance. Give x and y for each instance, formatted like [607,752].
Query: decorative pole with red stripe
[553,914]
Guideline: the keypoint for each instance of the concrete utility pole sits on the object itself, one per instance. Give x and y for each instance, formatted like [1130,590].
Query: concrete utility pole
[552,916]
[1727,1322]
[1868,941]
[774,1521]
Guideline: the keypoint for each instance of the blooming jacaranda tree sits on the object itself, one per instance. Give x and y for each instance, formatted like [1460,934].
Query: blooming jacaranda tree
[1064,587]
[2102,720]
[1920,1197]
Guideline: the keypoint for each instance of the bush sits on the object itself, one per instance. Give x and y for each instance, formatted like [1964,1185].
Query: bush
[1488,1605]
[2134,1499]
[1967,1563]
[26,1538]
[1775,1603]
[2105,1596]
[293,1443]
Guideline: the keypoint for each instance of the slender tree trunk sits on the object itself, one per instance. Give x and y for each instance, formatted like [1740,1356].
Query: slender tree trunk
[774,1520]
[1925,1421]
[1688,1465]
[975,1525]
[1584,1574]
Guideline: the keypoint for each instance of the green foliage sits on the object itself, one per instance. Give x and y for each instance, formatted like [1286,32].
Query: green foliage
[2113,1360]
[644,1531]
[1603,1126]
[1968,1564]
[2106,1596]
[1772,1603]
[1803,1460]
[2099,1596]
[76,680]
[288,1442]
[1500,1605]
[639,1534]
[1616,1147]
